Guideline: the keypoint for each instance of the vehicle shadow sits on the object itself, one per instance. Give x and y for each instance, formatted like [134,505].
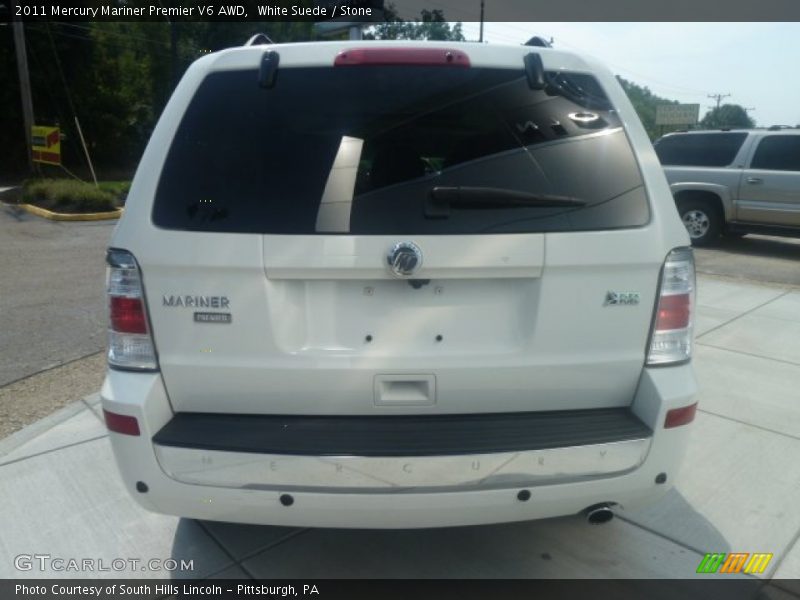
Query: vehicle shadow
[761,245]
[665,541]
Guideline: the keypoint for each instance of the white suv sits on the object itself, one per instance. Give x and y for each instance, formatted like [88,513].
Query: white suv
[368,284]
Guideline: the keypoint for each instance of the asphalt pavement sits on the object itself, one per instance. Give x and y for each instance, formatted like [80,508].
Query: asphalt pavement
[52,296]
[760,258]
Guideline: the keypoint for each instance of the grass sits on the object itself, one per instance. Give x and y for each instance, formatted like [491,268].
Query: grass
[118,188]
[72,196]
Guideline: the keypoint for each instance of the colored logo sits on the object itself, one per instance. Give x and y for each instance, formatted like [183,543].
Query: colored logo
[735,562]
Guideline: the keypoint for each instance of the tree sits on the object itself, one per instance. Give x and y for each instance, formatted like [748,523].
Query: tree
[727,115]
[115,76]
[432,26]
[645,103]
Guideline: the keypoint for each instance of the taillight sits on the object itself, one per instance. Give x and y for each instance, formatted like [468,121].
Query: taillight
[130,345]
[673,323]
[431,57]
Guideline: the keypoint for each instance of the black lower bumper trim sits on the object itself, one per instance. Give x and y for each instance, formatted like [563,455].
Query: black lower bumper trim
[402,435]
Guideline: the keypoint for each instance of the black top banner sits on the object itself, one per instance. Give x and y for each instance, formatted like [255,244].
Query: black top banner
[367,11]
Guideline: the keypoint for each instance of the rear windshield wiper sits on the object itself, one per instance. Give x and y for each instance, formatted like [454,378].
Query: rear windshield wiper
[441,198]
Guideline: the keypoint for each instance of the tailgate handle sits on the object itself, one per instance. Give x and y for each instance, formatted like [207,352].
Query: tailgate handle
[404,390]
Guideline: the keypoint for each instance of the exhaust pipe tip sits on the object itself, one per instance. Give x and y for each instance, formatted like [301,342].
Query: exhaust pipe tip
[598,514]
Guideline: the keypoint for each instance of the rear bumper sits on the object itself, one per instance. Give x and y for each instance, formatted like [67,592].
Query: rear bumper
[400,491]
[400,453]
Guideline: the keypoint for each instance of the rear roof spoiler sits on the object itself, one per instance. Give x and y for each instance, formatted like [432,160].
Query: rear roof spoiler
[258,40]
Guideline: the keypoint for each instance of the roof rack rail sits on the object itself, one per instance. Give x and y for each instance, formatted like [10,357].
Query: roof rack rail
[539,42]
[259,39]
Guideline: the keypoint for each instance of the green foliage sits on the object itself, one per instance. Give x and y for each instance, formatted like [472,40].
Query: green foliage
[115,76]
[118,188]
[727,116]
[67,195]
[432,26]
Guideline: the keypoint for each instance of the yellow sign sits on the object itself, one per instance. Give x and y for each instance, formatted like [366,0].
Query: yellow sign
[46,142]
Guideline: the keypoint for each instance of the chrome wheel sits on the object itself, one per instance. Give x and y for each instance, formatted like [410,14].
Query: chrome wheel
[697,223]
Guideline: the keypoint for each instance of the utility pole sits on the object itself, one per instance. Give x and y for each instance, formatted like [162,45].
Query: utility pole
[480,39]
[354,32]
[718,97]
[24,83]
[173,52]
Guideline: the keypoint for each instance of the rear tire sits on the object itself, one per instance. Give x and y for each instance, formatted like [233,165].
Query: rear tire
[702,220]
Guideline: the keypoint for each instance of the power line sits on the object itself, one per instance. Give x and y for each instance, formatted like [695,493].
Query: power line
[718,97]
[60,70]
[129,44]
[107,31]
[640,76]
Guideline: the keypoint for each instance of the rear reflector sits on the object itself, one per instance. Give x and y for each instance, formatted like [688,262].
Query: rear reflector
[127,315]
[436,57]
[680,416]
[124,424]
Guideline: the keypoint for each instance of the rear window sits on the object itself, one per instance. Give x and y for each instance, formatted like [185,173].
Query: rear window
[358,150]
[700,149]
[778,153]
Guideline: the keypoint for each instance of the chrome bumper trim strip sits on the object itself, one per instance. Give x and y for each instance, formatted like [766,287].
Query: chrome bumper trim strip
[400,474]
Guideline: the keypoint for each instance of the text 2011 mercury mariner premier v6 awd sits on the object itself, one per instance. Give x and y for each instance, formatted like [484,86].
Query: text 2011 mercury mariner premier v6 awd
[370,284]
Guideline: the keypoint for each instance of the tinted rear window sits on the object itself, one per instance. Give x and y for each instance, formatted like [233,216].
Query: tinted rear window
[700,149]
[358,150]
[778,153]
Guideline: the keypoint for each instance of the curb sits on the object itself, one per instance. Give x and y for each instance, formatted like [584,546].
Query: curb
[55,216]
[35,429]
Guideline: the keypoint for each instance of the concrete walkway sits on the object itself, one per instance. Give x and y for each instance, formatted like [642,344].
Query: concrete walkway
[739,490]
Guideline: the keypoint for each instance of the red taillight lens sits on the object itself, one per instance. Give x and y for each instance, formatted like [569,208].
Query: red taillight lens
[124,424]
[127,315]
[673,312]
[680,416]
[441,57]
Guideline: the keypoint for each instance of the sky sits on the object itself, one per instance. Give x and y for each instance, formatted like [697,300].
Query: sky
[756,63]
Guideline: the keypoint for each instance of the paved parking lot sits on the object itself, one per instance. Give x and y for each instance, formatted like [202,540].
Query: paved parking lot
[738,492]
[753,258]
[58,314]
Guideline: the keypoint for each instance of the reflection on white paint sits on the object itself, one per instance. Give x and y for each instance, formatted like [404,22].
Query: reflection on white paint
[333,215]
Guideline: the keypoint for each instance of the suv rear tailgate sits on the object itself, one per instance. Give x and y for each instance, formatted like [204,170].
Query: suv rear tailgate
[276,209]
